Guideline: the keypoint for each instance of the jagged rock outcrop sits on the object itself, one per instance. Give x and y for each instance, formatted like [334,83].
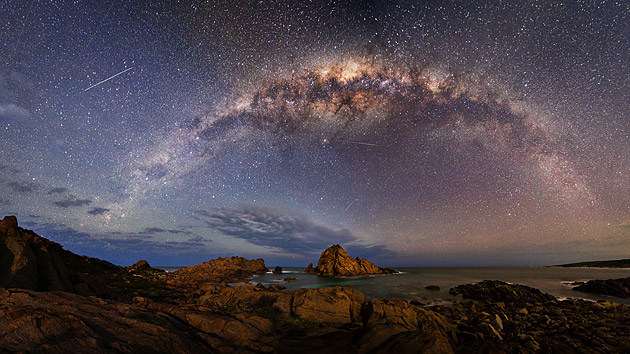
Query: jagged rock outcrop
[499,291]
[415,329]
[612,287]
[221,269]
[60,322]
[335,261]
[29,261]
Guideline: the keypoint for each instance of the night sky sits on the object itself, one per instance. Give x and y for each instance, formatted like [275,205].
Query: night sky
[442,133]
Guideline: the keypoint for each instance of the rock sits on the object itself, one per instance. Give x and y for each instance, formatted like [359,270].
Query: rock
[335,261]
[393,325]
[144,266]
[328,305]
[309,269]
[498,291]
[290,279]
[497,323]
[432,287]
[58,322]
[221,269]
[276,287]
[612,287]
[277,270]
[29,261]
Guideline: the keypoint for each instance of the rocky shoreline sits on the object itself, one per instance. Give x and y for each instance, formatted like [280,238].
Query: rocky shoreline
[81,304]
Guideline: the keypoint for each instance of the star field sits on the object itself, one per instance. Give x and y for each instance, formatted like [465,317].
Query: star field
[414,134]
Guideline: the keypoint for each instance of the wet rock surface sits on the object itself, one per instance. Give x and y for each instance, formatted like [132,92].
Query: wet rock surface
[336,261]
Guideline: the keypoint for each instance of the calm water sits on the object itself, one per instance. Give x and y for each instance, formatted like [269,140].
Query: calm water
[410,283]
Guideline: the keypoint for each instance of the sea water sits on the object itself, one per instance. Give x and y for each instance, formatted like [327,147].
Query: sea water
[410,283]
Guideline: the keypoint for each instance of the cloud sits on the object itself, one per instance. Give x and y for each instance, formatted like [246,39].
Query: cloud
[98,211]
[10,113]
[72,201]
[57,190]
[156,230]
[265,227]
[23,187]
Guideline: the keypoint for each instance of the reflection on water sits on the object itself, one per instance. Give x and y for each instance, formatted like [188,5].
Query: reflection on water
[410,284]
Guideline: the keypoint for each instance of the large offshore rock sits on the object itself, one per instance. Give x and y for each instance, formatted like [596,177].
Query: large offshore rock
[336,261]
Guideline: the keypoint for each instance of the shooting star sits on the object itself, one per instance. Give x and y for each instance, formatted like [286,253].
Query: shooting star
[348,207]
[358,143]
[109,78]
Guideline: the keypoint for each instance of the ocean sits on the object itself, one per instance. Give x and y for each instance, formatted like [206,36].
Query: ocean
[410,283]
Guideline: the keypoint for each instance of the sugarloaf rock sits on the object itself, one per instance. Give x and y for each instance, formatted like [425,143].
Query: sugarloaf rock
[336,261]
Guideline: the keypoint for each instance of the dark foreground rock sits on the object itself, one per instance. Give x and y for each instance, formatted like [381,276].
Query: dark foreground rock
[495,291]
[61,322]
[612,287]
[335,261]
[533,324]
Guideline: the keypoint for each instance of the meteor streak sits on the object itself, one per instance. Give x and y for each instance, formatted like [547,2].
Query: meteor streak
[357,142]
[109,78]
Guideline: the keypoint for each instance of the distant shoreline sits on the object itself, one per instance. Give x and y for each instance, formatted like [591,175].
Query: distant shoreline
[619,263]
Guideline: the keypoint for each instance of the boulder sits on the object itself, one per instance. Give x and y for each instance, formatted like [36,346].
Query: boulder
[335,261]
[277,270]
[328,305]
[143,266]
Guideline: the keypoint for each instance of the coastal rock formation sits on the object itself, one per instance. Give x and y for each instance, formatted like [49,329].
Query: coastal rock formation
[534,324]
[277,270]
[498,291]
[322,305]
[221,269]
[335,261]
[29,261]
[415,329]
[613,287]
[60,322]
